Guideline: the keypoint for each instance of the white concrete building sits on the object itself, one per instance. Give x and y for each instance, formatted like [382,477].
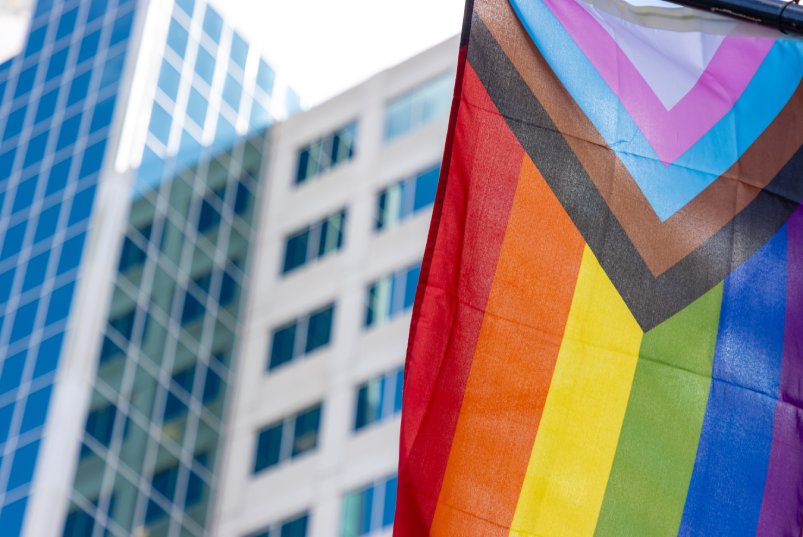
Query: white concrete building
[313,421]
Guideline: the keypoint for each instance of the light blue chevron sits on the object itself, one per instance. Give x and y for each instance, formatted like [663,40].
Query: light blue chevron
[667,188]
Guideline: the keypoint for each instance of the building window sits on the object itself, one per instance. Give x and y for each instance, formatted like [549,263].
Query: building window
[100,424]
[194,306]
[391,296]
[301,336]
[132,254]
[293,527]
[79,524]
[401,200]
[418,107]
[379,399]
[314,242]
[370,509]
[164,482]
[326,153]
[124,323]
[287,439]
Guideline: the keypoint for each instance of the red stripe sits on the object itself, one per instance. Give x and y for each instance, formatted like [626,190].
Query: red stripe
[471,218]
[411,419]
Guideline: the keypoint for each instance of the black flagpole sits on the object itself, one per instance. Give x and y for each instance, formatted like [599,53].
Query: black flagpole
[778,14]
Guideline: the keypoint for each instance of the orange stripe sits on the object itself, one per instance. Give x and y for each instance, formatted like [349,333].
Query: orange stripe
[513,362]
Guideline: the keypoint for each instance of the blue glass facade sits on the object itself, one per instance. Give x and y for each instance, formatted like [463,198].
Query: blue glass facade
[151,433]
[151,436]
[58,100]
[211,89]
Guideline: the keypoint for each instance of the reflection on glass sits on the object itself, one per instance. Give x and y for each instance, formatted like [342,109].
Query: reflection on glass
[164,358]
[419,106]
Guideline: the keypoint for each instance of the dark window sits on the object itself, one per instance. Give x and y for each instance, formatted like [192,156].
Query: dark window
[79,524]
[208,217]
[378,399]
[164,482]
[287,439]
[320,329]
[301,336]
[124,323]
[212,385]
[193,308]
[305,435]
[326,153]
[242,199]
[131,255]
[392,295]
[100,424]
[282,345]
[292,527]
[295,250]
[295,528]
[401,200]
[269,445]
[314,242]
[228,290]
[195,490]
[109,350]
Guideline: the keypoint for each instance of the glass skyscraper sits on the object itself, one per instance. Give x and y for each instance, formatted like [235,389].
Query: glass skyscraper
[132,134]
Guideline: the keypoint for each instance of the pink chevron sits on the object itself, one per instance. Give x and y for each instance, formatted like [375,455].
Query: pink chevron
[670,132]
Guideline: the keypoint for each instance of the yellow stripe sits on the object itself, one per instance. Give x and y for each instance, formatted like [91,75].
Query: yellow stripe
[576,440]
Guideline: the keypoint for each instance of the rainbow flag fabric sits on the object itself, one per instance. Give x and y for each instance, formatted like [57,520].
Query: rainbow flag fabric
[607,338]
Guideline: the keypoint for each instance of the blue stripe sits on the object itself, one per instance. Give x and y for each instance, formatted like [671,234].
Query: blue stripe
[667,188]
[727,484]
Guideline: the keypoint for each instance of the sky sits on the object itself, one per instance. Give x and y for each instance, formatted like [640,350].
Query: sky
[324,47]
[321,47]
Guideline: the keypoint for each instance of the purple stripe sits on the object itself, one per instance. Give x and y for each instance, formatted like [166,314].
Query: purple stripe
[782,509]
[670,132]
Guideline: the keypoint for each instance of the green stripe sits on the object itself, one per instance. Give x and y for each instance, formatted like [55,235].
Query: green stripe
[658,443]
